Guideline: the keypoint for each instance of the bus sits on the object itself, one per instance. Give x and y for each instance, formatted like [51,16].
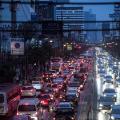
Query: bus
[9,98]
[56,64]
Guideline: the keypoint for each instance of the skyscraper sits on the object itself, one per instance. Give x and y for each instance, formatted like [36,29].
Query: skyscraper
[91,36]
[72,16]
[116,17]
[45,10]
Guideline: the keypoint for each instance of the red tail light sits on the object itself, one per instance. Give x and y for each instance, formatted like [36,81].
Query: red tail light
[17,113]
[31,90]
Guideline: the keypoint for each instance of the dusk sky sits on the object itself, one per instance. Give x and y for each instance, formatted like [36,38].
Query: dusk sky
[102,11]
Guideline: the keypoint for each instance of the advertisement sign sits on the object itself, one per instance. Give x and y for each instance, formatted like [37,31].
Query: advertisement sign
[69,47]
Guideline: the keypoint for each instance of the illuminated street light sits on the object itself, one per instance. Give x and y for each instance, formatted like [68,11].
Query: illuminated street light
[51,41]
[64,45]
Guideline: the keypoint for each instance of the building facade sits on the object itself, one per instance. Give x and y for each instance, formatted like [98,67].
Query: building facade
[45,10]
[106,31]
[22,12]
[73,17]
[116,25]
[91,36]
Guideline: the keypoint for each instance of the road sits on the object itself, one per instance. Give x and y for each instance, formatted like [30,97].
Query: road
[87,107]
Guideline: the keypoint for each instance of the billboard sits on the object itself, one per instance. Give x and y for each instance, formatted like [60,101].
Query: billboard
[69,47]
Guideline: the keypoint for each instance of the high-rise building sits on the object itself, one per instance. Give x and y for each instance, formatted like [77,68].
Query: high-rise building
[72,16]
[91,36]
[45,10]
[116,17]
[106,31]
[22,13]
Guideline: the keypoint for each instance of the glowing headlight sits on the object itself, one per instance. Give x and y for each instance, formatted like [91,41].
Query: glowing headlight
[105,95]
[34,114]
[101,105]
[112,117]
[115,95]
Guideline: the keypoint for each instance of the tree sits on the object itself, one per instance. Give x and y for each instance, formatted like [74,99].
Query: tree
[27,30]
[6,73]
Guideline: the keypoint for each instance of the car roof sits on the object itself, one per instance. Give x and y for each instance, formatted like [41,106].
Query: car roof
[64,102]
[27,86]
[36,81]
[30,101]
[109,89]
[105,97]
[116,107]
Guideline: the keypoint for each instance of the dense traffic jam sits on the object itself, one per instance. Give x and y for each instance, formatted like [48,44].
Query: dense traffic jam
[57,90]
[108,85]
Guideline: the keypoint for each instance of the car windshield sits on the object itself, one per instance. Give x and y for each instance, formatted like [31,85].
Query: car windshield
[44,96]
[36,82]
[26,108]
[27,88]
[1,98]
[64,106]
[109,77]
[115,111]
[109,91]
[72,91]
[76,84]
[53,71]
[106,99]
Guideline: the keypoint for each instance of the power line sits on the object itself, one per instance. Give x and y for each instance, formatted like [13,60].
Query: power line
[24,12]
[81,30]
[65,21]
[61,3]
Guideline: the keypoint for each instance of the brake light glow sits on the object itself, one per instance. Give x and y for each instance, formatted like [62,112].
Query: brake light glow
[17,113]
[44,102]
[31,90]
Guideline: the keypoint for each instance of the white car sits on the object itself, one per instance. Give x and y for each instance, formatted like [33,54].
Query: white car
[115,112]
[28,91]
[37,85]
[31,107]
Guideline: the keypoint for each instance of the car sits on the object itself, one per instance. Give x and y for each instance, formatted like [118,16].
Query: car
[110,92]
[72,96]
[31,107]
[44,99]
[108,85]
[64,110]
[28,91]
[80,84]
[37,85]
[105,103]
[108,79]
[21,117]
[115,112]
[72,90]
[118,82]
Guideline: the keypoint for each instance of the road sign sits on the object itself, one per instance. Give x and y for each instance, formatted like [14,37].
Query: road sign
[17,46]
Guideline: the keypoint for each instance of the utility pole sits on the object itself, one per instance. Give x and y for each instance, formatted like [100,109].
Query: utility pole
[13,7]
[0,25]
[1,33]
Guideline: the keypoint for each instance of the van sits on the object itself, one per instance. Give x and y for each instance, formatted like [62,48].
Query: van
[38,86]
[30,107]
